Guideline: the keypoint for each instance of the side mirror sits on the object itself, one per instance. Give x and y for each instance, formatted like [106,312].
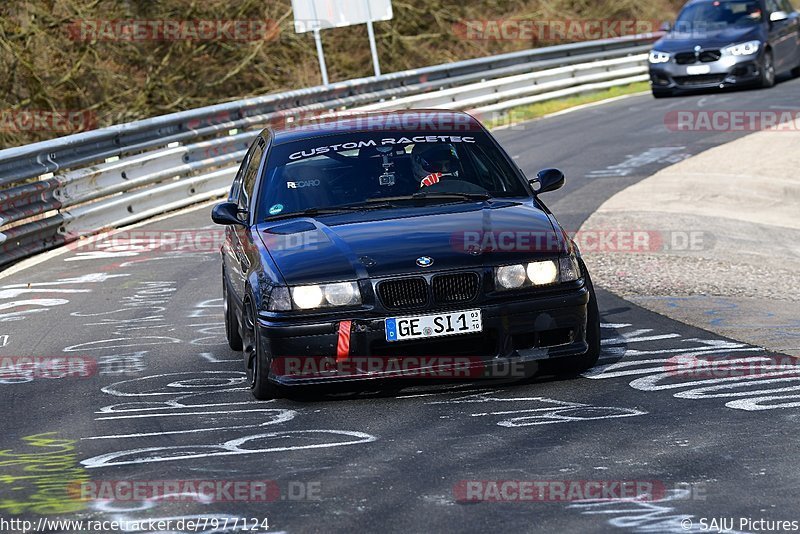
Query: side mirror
[226,213]
[548,180]
[778,16]
[666,26]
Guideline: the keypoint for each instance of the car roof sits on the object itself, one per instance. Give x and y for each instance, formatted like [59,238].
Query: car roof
[432,120]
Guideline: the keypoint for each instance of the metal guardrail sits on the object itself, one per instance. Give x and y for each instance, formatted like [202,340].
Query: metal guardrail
[167,162]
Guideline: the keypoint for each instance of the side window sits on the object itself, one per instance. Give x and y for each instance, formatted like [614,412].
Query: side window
[233,196]
[788,7]
[250,175]
[489,169]
[773,6]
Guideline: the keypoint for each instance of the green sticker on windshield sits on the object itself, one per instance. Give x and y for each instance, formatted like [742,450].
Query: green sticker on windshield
[276,209]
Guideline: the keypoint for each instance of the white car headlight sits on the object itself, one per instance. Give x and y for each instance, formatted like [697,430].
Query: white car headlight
[542,273]
[343,294]
[537,273]
[510,276]
[743,49]
[326,295]
[657,56]
[307,297]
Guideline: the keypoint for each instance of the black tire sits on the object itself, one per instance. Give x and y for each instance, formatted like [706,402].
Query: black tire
[662,94]
[256,360]
[231,322]
[767,70]
[575,365]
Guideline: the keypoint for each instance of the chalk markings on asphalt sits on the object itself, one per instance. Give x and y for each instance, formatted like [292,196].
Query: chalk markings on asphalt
[660,155]
[541,410]
[139,523]
[53,289]
[177,389]
[644,514]
[769,388]
[232,447]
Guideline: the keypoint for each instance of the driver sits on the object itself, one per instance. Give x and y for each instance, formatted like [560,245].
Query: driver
[432,162]
[753,12]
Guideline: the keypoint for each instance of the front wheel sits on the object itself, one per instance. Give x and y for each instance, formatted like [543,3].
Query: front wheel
[257,361]
[767,71]
[662,93]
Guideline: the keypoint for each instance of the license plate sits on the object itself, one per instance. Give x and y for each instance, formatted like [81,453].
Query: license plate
[698,69]
[436,325]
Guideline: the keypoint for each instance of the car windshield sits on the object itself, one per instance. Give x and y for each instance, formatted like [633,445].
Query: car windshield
[719,15]
[381,169]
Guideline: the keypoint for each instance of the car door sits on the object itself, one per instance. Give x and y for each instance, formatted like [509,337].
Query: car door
[245,250]
[794,26]
[782,35]
[230,254]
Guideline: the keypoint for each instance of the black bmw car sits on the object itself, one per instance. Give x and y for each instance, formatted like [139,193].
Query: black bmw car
[726,43]
[393,244]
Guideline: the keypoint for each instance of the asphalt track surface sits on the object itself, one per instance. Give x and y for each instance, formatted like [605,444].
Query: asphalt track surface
[166,399]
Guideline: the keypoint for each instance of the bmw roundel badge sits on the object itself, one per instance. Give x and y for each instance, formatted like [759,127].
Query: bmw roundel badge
[425,261]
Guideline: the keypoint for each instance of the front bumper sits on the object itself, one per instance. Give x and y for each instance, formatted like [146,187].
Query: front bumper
[516,332]
[728,71]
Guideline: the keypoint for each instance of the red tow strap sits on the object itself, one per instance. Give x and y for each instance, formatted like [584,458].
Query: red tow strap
[343,347]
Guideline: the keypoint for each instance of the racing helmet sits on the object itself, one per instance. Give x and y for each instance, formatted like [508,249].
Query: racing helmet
[432,158]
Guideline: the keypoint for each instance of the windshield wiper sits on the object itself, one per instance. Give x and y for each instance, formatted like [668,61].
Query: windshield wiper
[434,196]
[446,196]
[333,210]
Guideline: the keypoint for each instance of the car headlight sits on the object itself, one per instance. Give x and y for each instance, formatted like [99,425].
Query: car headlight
[657,56]
[537,273]
[510,276]
[541,273]
[743,49]
[307,297]
[326,295]
[344,294]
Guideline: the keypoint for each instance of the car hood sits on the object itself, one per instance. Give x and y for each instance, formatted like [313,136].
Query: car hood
[387,243]
[686,41]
